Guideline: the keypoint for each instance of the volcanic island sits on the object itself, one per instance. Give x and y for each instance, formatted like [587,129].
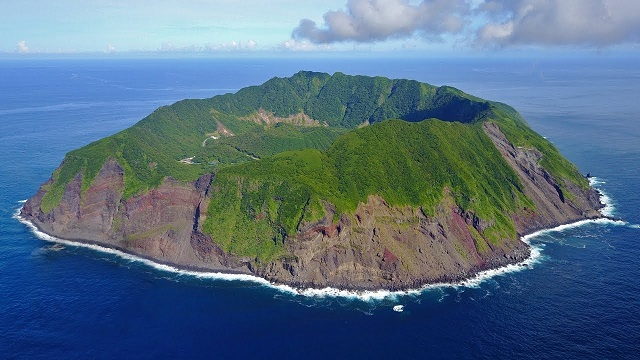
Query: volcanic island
[319,180]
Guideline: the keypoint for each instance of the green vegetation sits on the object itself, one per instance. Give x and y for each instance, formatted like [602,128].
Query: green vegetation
[348,101]
[520,134]
[406,163]
[151,150]
[262,141]
[256,205]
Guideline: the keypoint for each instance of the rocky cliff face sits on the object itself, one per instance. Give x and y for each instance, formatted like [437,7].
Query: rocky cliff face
[378,246]
[381,246]
[162,224]
[552,205]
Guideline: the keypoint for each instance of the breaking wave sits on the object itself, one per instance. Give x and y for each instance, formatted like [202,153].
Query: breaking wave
[609,206]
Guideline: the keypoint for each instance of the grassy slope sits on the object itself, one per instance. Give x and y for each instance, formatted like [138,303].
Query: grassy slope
[520,134]
[151,149]
[407,163]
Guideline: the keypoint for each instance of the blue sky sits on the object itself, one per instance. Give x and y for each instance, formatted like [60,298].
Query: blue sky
[262,26]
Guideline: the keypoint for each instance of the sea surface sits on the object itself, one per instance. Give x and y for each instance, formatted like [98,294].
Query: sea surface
[578,298]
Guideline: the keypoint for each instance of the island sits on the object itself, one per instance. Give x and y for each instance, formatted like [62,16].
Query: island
[320,180]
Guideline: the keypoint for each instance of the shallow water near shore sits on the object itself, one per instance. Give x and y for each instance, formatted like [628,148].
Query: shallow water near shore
[577,300]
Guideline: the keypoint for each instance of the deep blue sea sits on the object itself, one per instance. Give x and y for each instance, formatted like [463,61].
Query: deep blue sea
[580,299]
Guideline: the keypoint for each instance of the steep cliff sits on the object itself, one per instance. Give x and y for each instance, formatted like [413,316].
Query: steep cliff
[393,205]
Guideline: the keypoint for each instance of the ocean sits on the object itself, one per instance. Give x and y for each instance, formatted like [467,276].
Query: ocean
[577,298]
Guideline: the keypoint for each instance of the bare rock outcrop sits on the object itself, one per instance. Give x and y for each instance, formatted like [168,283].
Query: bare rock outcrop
[382,246]
[552,206]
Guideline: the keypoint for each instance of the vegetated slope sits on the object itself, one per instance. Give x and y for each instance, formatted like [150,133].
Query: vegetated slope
[151,150]
[405,163]
[303,192]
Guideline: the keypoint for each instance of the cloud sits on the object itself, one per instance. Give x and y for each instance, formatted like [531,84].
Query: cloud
[22,47]
[228,46]
[487,23]
[378,20]
[301,45]
[232,46]
[596,23]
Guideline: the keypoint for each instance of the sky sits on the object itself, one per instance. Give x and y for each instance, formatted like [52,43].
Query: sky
[328,26]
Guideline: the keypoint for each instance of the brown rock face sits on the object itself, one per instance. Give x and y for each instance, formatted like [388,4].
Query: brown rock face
[91,215]
[553,207]
[378,246]
[382,246]
[162,224]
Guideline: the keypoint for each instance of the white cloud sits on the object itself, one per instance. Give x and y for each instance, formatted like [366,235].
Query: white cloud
[377,20]
[559,22]
[252,44]
[110,49]
[22,47]
[228,46]
[493,23]
[301,45]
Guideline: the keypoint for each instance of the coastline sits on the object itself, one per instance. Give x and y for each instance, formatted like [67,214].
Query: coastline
[364,295]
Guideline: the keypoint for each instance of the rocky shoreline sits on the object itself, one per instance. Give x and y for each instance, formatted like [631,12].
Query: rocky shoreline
[299,288]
